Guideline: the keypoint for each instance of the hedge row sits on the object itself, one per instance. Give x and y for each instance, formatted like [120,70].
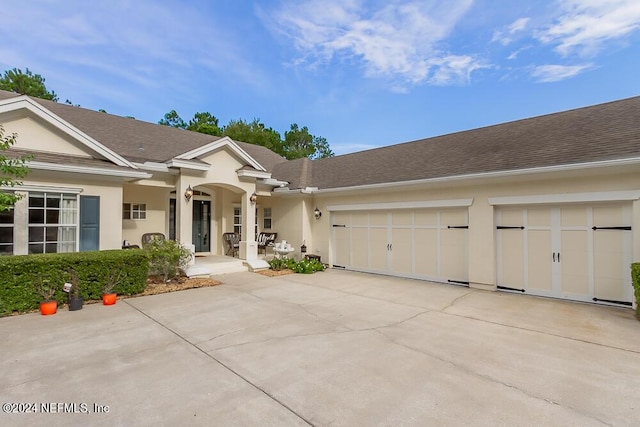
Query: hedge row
[635,277]
[22,277]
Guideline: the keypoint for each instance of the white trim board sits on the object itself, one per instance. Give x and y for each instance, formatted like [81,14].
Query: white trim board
[49,188]
[604,196]
[219,143]
[453,203]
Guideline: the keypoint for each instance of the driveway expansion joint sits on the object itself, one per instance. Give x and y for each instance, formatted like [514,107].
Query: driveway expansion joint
[210,356]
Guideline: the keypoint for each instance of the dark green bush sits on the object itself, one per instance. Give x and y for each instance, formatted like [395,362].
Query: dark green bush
[166,258]
[635,277]
[24,279]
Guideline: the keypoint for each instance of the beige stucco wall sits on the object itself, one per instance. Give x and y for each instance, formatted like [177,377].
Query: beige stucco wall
[157,204]
[34,134]
[482,253]
[110,205]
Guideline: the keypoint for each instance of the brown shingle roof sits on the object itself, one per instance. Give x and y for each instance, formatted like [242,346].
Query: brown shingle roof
[601,132]
[140,141]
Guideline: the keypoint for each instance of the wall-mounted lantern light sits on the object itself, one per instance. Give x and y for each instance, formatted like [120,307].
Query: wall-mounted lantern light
[188,193]
[317,213]
[253,198]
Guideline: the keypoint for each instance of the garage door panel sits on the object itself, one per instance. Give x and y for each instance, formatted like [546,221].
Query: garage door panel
[574,263]
[511,217]
[378,249]
[359,219]
[539,265]
[573,216]
[539,217]
[342,218]
[402,251]
[609,280]
[453,254]
[378,219]
[426,252]
[452,217]
[359,248]
[402,218]
[512,262]
[426,217]
[341,246]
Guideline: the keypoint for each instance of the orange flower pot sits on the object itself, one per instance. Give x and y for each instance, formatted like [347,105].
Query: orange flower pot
[48,307]
[109,299]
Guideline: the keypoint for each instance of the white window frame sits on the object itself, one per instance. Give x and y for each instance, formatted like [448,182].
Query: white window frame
[137,211]
[267,218]
[11,227]
[60,225]
[237,220]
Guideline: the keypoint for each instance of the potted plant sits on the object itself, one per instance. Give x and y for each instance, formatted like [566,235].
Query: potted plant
[75,296]
[48,305]
[108,294]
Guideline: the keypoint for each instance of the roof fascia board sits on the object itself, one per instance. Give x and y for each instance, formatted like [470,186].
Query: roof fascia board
[224,141]
[88,170]
[155,167]
[253,174]
[486,175]
[604,196]
[452,203]
[13,104]
[186,164]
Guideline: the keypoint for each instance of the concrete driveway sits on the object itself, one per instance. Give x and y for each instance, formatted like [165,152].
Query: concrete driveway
[333,348]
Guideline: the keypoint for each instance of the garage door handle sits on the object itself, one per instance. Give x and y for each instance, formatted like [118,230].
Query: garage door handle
[558,256]
[554,257]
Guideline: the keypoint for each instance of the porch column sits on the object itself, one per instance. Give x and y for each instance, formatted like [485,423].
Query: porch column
[184,213]
[248,246]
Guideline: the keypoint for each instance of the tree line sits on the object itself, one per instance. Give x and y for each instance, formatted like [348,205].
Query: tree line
[297,143]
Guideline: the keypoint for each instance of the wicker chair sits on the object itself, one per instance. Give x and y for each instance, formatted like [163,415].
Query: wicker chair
[150,237]
[265,240]
[232,242]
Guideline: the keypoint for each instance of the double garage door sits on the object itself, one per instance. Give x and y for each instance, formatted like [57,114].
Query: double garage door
[578,252]
[426,244]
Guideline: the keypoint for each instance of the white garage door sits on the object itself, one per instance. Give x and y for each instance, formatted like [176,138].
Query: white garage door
[426,244]
[574,252]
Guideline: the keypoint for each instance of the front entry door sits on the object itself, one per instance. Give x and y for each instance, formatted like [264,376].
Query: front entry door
[201,225]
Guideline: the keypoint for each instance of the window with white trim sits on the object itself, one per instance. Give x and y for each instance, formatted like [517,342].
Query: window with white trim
[134,211]
[266,218]
[6,232]
[237,220]
[53,222]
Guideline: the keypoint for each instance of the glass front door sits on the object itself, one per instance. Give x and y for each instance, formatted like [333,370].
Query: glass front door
[201,225]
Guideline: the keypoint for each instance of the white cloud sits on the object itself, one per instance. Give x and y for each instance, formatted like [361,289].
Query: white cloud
[554,73]
[585,25]
[506,36]
[400,40]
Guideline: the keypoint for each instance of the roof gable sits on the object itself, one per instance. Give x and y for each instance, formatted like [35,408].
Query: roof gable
[17,103]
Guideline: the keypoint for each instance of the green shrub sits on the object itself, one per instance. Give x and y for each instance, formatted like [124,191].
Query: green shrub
[25,280]
[635,277]
[167,258]
[304,266]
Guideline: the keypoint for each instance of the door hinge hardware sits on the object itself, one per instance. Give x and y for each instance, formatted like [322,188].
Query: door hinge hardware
[505,288]
[613,301]
[506,227]
[612,228]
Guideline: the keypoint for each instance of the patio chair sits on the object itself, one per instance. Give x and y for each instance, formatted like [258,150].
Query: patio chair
[232,242]
[151,237]
[264,240]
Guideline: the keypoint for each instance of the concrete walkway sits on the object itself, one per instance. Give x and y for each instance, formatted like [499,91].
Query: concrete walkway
[333,348]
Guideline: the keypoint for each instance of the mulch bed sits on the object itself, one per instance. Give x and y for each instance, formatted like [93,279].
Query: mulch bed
[275,273]
[156,286]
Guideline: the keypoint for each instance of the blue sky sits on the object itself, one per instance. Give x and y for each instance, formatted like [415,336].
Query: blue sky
[360,73]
